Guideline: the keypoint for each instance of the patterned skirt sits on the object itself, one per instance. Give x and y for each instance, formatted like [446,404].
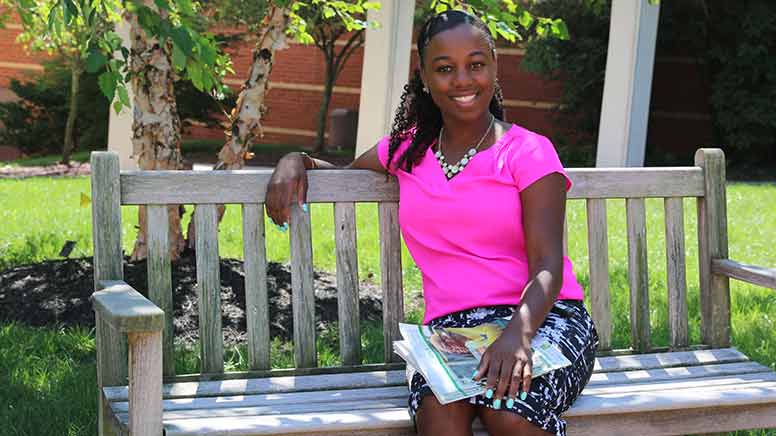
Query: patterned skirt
[569,326]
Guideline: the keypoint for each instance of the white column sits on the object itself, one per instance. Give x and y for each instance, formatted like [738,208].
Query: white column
[386,70]
[622,134]
[120,125]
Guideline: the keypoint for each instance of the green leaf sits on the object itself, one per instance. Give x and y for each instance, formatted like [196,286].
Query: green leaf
[95,61]
[162,5]
[180,36]
[107,82]
[117,106]
[70,11]
[560,30]
[123,95]
[178,58]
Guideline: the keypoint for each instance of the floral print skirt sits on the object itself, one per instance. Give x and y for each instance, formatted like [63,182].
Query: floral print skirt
[569,326]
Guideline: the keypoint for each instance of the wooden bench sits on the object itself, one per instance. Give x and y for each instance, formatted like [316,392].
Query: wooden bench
[685,388]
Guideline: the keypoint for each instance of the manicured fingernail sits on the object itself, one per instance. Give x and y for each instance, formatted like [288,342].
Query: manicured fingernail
[523,395]
[510,403]
[474,373]
[489,394]
[284,227]
[496,404]
[305,208]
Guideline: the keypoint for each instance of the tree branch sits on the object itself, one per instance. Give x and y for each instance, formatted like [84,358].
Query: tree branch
[355,41]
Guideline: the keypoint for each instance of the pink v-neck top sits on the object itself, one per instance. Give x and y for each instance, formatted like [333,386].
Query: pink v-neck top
[466,234]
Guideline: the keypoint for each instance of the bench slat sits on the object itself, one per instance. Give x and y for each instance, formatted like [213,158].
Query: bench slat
[184,187]
[638,277]
[598,255]
[160,278]
[612,369]
[391,276]
[675,271]
[209,289]
[347,283]
[303,293]
[256,296]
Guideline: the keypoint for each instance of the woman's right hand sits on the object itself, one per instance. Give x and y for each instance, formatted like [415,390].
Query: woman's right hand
[288,185]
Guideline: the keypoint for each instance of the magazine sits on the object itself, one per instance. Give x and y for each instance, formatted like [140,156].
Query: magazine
[447,357]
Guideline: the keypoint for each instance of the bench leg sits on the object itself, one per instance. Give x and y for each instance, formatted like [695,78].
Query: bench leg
[145,384]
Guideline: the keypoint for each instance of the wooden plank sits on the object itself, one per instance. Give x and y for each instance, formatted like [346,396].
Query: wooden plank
[180,187]
[106,217]
[209,289]
[668,360]
[675,272]
[565,236]
[635,182]
[111,369]
[145,384]
[675,422]
[303,294]
[598,253]
[296,372]
[681,383]
[125,309]
[391,277]
[713,244]
[347,283]
[674,373]
[160,277]
[756,275]
[256,294]
[273,385]
[638,277]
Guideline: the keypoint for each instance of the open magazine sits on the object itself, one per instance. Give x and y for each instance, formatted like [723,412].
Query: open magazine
[447,357]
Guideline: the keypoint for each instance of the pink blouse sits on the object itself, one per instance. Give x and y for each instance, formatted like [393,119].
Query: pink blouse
[466,234]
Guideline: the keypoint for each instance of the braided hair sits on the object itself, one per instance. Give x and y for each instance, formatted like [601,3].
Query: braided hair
[417,115]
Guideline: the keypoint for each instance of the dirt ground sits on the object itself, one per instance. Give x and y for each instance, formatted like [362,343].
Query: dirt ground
[56,293]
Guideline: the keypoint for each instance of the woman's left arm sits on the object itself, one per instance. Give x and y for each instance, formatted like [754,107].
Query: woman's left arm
[507,361]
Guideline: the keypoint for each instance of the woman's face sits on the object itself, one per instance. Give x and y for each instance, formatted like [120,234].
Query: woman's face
[459,71]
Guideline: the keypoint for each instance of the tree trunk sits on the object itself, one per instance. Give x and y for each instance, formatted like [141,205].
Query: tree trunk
[323,111]
[156,126]
[245,119]
[75,78]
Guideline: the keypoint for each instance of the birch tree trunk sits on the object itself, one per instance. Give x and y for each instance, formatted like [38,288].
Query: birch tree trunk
[245,119]
[156,126]
[75,79]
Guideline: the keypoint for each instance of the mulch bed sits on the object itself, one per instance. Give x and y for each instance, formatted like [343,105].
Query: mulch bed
[56,293]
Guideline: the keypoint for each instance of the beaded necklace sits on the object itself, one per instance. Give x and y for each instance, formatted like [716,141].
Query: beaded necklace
[451,170]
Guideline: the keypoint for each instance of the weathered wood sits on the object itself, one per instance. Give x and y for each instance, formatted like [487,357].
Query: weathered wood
[391,276]
[565,236]
[638,277]
[296,372]
[176,187]
[145,384]
[209,289]
[598,253]
[713,244]
[106,217]
[668,360]
[125,309]
[303,294]
[111,369]
[256,295]
[756,275]
[347,283]
[675,272]
[160,277]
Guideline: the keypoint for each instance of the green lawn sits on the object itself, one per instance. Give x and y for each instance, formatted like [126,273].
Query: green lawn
[51,371]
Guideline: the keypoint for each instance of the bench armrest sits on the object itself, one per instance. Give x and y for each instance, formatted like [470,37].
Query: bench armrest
[125,309]
[756,275]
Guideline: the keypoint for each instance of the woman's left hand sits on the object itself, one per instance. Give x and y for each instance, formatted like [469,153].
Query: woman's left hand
[507,363]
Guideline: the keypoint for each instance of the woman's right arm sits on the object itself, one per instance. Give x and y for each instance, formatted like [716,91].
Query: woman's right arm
[288,184]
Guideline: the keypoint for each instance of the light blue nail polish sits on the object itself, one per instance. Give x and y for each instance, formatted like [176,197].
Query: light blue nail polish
[305,208]
[474,373]
[523,395]
[496,404]
[510,403]
[489,394]
[284,227]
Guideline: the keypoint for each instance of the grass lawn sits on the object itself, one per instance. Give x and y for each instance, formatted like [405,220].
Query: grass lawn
[50,372]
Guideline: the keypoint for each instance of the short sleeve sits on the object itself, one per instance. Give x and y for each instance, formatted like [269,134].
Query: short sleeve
[533,159]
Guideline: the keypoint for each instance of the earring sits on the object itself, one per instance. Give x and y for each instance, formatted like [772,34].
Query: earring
[425,89]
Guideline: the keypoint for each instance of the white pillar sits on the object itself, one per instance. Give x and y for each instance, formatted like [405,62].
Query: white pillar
[386,70]
[120,125]
[622,134]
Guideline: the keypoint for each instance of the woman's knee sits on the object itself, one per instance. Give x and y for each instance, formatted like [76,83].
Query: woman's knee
[505,423]
[451,419]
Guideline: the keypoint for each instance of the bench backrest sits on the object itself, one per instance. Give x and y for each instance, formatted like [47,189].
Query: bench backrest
[156,189]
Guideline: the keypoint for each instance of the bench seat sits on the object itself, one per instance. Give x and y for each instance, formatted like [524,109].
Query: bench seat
[639,393]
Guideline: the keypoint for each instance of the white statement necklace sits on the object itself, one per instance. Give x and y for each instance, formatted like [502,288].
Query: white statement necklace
[451,170]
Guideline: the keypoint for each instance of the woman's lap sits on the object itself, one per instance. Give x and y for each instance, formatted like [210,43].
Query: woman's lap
[569,327]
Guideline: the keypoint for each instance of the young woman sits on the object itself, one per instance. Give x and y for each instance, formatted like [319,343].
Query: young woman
[482,205]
